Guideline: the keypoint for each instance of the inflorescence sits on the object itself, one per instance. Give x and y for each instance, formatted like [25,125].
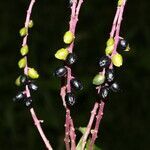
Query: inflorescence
[61,72]
[26,81]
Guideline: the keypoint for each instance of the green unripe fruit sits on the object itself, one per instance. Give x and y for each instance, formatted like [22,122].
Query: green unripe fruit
[109,50]
[24,50]
[17,82]
[30,25]
[120,2]
[117,60]
[68,37]
[98,79]
[110,42]
[32,73]
[62,54]
[22,62]
[23,31]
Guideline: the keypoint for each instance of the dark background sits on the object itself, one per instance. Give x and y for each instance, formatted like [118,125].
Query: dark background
[126,122]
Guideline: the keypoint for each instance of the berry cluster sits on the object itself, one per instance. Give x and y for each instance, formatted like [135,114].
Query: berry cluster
[69,59]
[106,78]
[25,81]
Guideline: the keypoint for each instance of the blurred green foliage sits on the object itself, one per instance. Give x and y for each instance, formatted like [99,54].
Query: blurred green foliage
[126,120]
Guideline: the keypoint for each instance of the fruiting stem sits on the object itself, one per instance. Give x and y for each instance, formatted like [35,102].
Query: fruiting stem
[33,114]
[113,34]
[117,29]
[37,123]
[116,38]
[98,120]
[89,126]
[69,126]
[115,22]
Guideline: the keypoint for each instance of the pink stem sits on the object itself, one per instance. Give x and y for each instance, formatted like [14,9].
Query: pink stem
[72,135]
[27,91]
[67,128]
[115,22]
[38,126]
[89,126]
[98,120]
[116,38]
[115,30]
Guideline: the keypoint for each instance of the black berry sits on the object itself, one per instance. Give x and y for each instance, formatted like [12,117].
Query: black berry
[23,79]
[123,44]
[33,86]
[28,101]
[104,92]
[60,72]
[70,99]
[115,87]
[19,96]
[104,62]
[76,84]
[71,58]
[109,75]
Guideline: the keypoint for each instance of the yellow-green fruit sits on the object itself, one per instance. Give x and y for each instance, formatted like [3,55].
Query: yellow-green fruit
[99,79]
[120,2]
[24,50]
[68,37]
[30,25]
[23,31]
[117,60]
[22,62]
[110,42]
[17,82]
[62,54]
[109,50]
[128,48]
[32,73]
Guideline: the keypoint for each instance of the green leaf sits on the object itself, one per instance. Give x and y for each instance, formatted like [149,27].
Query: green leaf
[82,129]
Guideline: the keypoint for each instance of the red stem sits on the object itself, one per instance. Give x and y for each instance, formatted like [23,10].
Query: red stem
[89,126]
[98,120]
[27,91]
[69,126]
[115,30]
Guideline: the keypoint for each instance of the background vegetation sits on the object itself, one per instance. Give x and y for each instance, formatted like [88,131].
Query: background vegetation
[126,121]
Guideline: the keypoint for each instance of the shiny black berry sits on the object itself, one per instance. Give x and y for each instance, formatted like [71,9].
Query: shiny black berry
[60,72]
[28,101]
[19,96]
[76,84]
[71,58]
[104,92]
[123,44]
[115,87]
[104,62]
[109,75]
[70,99]
[23,79]
[33,86]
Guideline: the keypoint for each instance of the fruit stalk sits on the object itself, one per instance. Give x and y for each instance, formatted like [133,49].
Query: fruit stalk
[89,126]
[69,126]
[115,30]
[27,91]
[96,128]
